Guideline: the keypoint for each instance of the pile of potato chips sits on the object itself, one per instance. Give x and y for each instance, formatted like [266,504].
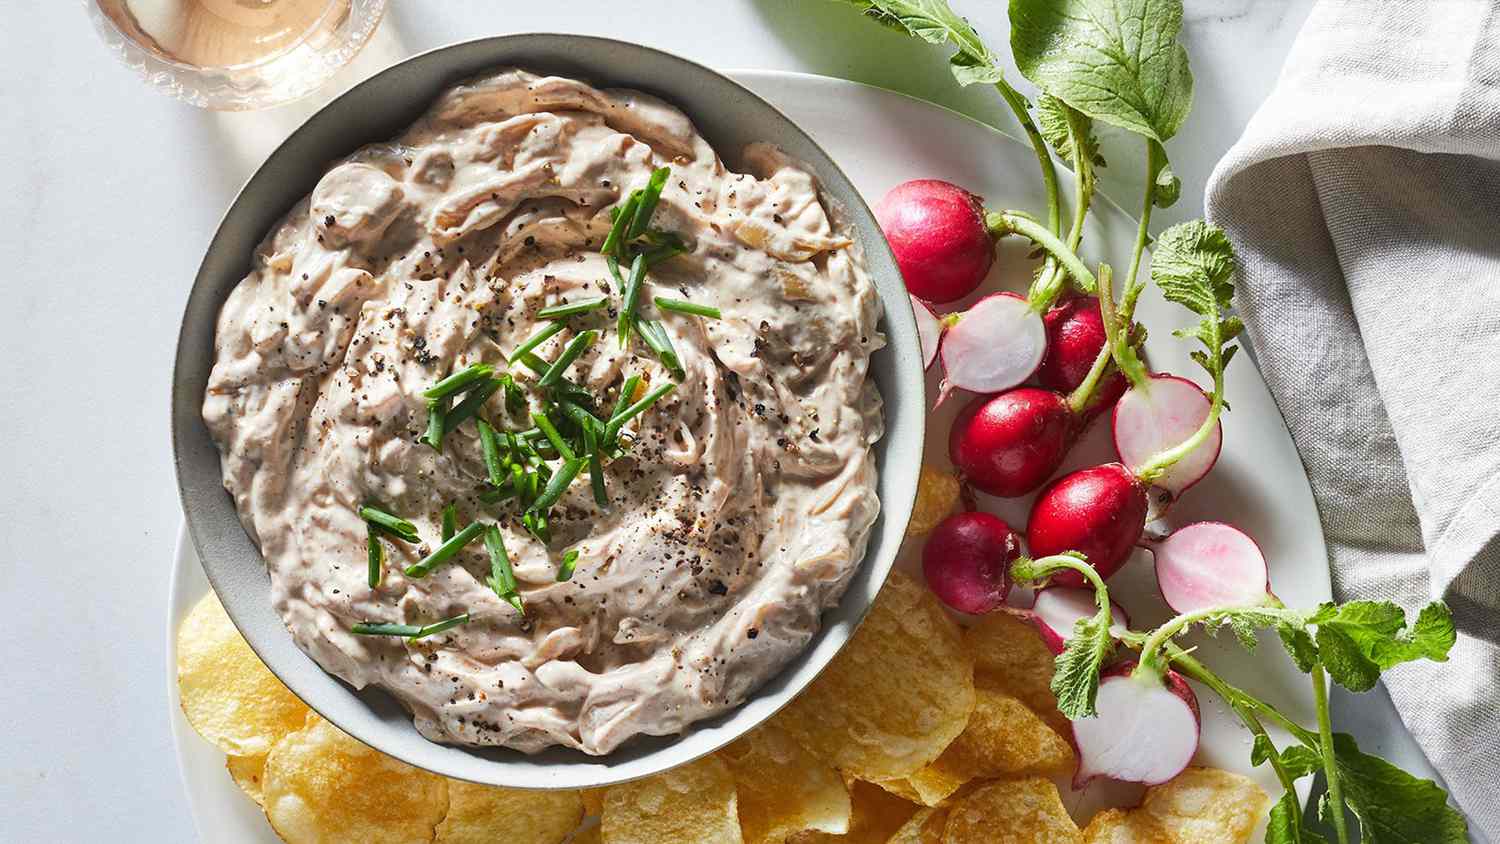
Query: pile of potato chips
[919,732]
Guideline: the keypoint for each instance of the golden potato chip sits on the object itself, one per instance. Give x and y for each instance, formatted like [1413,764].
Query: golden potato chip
[877,815]
[895,696]
[247,773]
[323,787]
[228,694]
[901,787]
[937,495]
[1117,826]
[1009,656]
[925,827]
[1003,739]
[593,801]
[783,789]
[691,804]
[587,836]
[1202,805]
[482,814]
[1027,811]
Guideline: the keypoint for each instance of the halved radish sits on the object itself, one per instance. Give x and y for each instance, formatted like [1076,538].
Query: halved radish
[929,330]
[1057,610]
[1210,564]
[993,346]
[1160,413]
[1146,729]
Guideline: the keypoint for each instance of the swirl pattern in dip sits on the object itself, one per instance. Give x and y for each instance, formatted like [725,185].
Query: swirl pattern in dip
[737,515]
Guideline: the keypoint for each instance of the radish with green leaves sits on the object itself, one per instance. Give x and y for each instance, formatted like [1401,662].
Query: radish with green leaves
[1075,341]
[1211,564]
[1057,610]
[967,561]
[1145,728]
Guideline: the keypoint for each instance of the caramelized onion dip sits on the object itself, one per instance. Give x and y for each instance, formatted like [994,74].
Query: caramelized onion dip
[739,504]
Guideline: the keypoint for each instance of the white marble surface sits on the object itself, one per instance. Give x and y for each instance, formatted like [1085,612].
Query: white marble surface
[111,194]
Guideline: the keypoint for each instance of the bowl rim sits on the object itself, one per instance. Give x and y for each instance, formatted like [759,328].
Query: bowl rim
[384,725]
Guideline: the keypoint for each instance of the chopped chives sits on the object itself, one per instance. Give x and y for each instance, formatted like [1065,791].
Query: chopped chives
[515,400]
[572,308]
[656,254]
[458,381]
[581,417]
[437,422]
[536,363]
[650,196]
[557,485]
[446,551]
[553,436]
[410,631]
[660,342]
[627,395]
[596,465]
[619,419]
[489,444]
[394,525]
[569,563]
[623,219]
[498,494]
[536,523]
[632,296]
[502,577]
[518,481]
[684,307]
[450,520]
[472,402]
[570,353]
[535,340]
[375,553]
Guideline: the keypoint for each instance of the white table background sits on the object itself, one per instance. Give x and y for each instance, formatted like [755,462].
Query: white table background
[110,196]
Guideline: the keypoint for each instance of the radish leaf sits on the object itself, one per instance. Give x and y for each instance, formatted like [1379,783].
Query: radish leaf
[1168,186]
[1393,806]
[1358,640]
[1068,131]
[934,22]
[1115,60]
[1075,679]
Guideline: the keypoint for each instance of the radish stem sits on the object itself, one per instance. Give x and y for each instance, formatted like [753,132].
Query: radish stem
[1002,223]
[1163,461]
[1330,765]
[1158,639]
[1019,107]
[1049,282]
[1078,400]
[1155,160]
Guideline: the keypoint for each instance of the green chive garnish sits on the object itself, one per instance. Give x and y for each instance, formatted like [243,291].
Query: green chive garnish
[437,418]
[446,551]
[632,295]
[472,402]
[490,445]
[572,308]
[376,554]
[570,353]
[410,631]
[535,340]
[502,577]
[497,495]
[596,465]
[552,434]
[458,381]
[619,419]
[536,523]
[684,307]
[570,562]
[557,485]
[627,394]
[582,418]
[450,520]
[515,399]
[624,218]
[650,196]
[394,525]
[660,342]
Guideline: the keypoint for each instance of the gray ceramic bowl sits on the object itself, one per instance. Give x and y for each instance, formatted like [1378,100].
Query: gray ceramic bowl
[730,117]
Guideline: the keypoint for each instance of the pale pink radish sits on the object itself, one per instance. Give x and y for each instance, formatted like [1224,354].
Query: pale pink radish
[1057,610]
[1075,339]
[929,331]
[967,561]
[1146,728]
[1206,565]
[937,234]
[1010,444]
[1158,414]
[1098,512]
[993,346]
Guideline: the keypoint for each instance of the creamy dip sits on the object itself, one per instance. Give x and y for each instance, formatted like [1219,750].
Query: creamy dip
[738,514]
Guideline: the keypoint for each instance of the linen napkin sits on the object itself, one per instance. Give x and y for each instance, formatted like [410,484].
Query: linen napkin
[1363,201]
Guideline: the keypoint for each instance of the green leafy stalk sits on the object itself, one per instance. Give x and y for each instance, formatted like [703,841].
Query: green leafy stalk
[1075,681]
[445,552]
[1070,133]
[1330,765]
[1002,223]
[472,402]
[650,196]
[623,217]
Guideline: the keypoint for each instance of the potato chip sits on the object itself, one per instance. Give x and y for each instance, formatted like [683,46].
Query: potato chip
[925,827]
[691,804]
[247,773]
[323,787]
[1117,826]
[937,495]
[1009,656]
[895,696]
[1202,805]
[593,801]
[901,787]
[228,694]
[482,814]
[877,815]
[1027,811]
[783,789]
[1004,739]
[586,836]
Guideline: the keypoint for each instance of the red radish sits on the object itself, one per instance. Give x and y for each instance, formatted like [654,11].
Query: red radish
[1075,337]
[1057,610]
[1008,445]
[1098,512]
[937,233]
[1210,564]
[1146,729]
[929,331]
[993,346]
[1156,415]
[967,561]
